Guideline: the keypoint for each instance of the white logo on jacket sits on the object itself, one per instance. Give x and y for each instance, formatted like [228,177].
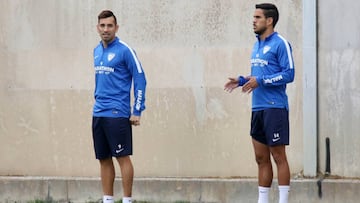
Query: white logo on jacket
[274,79]
[138,101]
[111,56]
[266,49]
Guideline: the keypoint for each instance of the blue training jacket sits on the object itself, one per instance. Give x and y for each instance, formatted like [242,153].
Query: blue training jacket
[273,66]
[116,68]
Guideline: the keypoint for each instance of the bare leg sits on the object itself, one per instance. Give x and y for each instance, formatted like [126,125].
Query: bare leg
[107,171]
[283,171]
[262,156]
[127,174]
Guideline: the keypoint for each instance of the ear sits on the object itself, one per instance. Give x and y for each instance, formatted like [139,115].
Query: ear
[269,21]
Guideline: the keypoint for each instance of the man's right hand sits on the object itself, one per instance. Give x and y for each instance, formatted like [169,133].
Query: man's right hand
[231,84]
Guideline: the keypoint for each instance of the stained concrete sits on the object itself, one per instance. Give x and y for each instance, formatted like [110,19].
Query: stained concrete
[188,49]
[191,128]
[167,190]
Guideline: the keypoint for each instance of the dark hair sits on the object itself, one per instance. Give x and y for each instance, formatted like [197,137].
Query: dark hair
[270,11]
[106,14]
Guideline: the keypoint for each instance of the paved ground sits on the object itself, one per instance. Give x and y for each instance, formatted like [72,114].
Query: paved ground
[151,190]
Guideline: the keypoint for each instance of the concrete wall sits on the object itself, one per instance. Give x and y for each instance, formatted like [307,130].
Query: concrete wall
[191,127]
[339,93]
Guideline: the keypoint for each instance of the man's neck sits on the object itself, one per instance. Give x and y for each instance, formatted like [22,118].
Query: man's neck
[106,44]
[267,33]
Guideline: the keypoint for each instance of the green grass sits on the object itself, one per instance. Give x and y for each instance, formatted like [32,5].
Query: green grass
[39,201]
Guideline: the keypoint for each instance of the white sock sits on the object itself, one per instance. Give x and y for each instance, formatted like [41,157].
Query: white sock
[263,194]
[284,193]
[108,199]
[126,200]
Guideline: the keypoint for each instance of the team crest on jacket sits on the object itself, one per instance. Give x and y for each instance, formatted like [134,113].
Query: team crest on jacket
[266,49]
[111,56]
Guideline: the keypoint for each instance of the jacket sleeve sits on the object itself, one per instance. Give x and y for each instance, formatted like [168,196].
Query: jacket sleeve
[139,80]
[286,64]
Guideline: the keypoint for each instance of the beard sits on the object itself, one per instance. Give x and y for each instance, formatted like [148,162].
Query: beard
[107,37]
[260,31]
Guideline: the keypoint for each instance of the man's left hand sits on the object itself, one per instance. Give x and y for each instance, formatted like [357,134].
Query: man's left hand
[250,85]
[135,120]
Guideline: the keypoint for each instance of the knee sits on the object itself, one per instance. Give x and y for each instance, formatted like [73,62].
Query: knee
[261,159]
[125,160]
[279,158]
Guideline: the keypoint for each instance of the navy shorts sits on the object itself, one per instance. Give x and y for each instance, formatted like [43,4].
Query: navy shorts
[270,126]
[112,137]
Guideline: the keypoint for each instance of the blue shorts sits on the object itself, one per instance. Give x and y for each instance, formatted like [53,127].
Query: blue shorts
[270,126]
[112,137]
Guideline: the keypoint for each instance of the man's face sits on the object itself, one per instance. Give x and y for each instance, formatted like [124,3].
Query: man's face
[260,22]
[107,29]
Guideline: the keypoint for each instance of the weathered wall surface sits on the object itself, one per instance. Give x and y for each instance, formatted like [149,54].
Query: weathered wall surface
[191,127]
[339,72]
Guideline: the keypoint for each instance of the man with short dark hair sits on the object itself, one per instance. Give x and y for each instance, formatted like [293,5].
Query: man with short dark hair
[116,68]
[272,67]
